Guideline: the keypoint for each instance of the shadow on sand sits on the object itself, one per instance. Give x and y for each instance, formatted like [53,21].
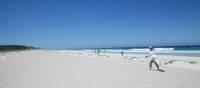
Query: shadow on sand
[160,70]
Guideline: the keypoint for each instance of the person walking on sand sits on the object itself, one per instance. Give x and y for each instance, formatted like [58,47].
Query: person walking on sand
[122,53]
[153,59]
[94,51]
[98,51]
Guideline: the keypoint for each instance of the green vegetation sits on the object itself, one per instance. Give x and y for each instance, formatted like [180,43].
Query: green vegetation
[15,47]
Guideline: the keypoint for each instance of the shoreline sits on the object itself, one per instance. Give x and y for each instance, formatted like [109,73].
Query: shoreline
[189,54]
[171,53]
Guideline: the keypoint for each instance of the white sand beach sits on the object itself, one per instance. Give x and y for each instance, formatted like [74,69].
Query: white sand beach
[53,69]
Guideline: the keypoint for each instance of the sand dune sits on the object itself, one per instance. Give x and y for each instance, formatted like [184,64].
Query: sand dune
[51,69]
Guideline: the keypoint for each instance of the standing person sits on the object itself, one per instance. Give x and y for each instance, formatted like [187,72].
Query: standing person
[122,53]
[98,52]
[94,51]
[153,59]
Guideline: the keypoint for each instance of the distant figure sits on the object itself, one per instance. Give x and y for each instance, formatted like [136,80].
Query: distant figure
[95,51]
[122,53]
[153,59]
[98,51]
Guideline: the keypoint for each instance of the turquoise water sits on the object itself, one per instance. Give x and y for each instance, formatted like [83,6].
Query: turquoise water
[192,50]
[189,48]
[164,48]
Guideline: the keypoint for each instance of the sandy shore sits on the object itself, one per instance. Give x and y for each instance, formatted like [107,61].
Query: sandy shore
[53,69]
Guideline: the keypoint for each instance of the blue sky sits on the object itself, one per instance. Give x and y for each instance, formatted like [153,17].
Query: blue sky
[67,24]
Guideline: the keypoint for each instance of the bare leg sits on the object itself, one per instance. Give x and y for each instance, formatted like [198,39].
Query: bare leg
[150,64]
[156,65]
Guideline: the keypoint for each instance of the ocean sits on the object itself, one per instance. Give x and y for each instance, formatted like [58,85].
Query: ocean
[192,50]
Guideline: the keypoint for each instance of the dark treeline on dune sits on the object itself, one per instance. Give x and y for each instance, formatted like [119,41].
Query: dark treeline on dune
[15,47]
